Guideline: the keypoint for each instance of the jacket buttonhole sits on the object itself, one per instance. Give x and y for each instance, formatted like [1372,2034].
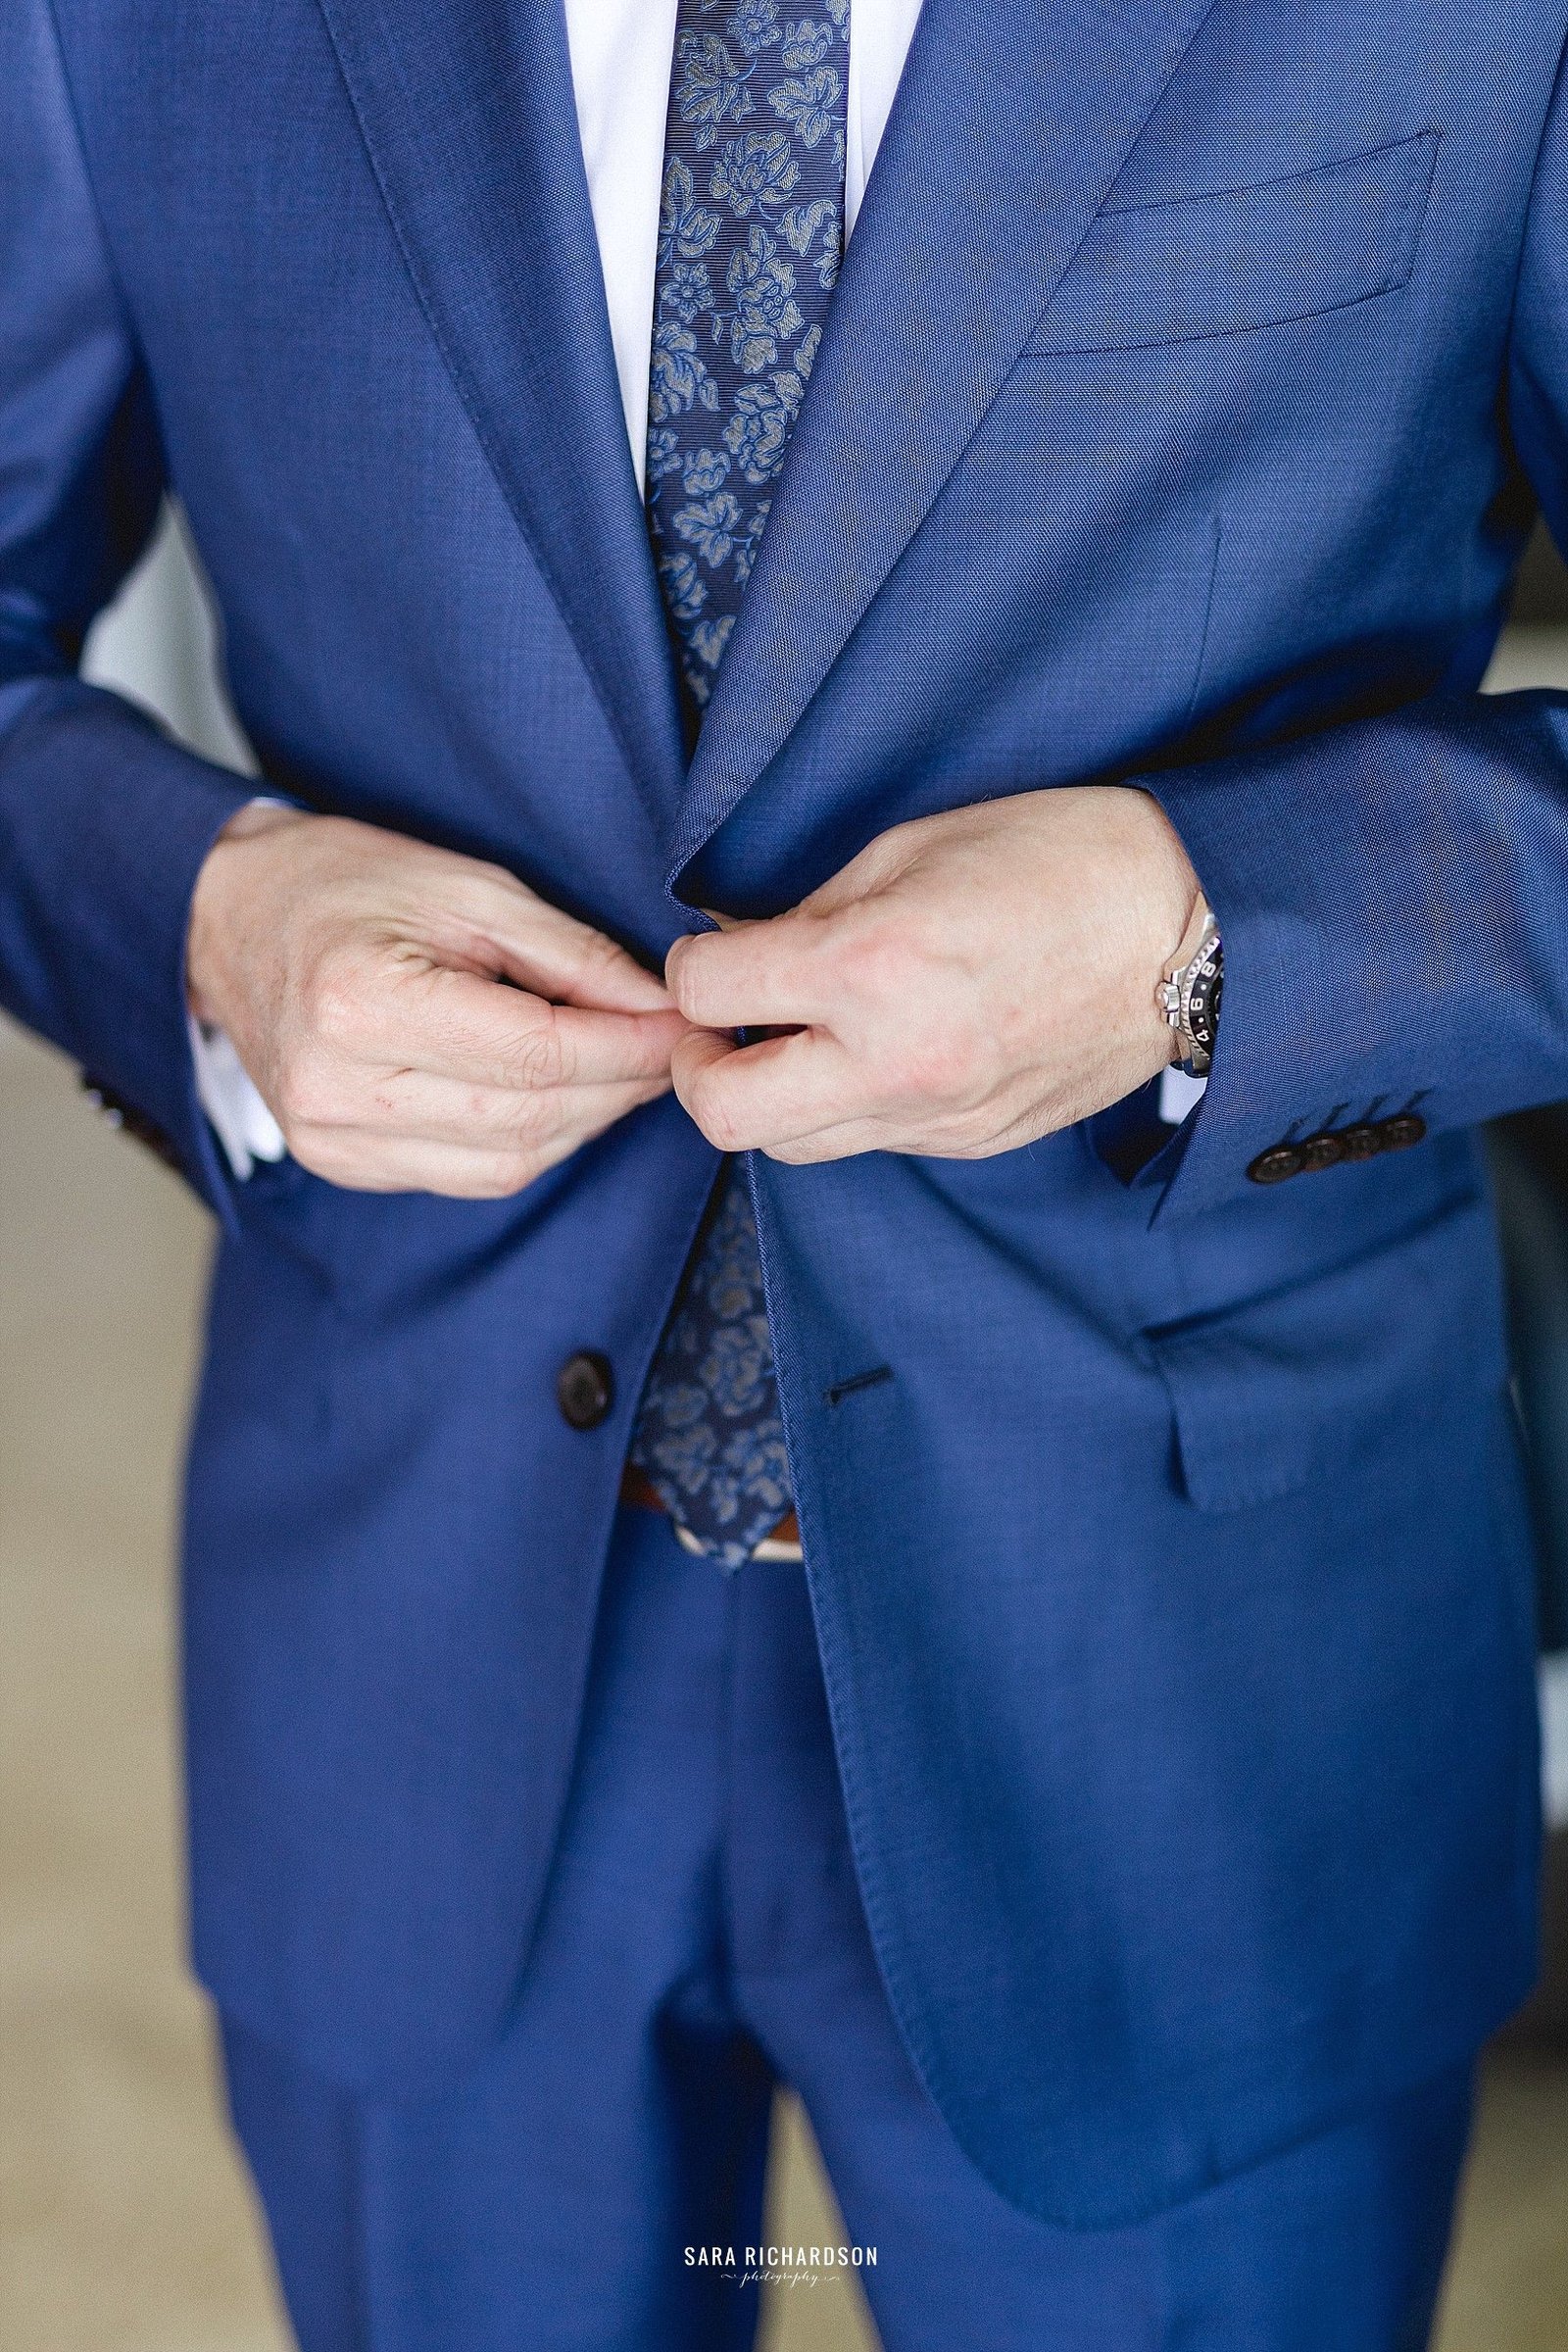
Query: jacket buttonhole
[859,1380]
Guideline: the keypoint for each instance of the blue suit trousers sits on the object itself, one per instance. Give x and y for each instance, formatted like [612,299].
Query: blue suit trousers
[702,1940]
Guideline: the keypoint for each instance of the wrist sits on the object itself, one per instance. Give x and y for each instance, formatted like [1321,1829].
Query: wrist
[213,910]
[1173,884]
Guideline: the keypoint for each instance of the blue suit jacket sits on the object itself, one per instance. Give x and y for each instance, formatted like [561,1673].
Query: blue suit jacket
[1195,372]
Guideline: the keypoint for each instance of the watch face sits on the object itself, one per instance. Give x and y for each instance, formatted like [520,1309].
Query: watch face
[1203,1001]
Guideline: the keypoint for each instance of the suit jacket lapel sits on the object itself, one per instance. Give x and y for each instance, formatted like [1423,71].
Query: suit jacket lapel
[466,110]
[1010,125]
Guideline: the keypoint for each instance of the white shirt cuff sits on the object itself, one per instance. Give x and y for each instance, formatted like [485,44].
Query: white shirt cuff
[241,1120]
[1177,1094]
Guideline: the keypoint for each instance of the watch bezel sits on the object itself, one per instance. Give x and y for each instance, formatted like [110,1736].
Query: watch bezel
[1189,993]
[1200,993]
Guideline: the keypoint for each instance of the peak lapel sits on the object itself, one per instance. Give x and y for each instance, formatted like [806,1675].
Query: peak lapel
[1010,122]
[466,110]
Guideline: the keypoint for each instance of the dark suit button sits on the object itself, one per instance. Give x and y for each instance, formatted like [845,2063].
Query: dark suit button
[1275,1165]
[1362,1141]
[1321,1151]
[585,1389]
[1401,1131]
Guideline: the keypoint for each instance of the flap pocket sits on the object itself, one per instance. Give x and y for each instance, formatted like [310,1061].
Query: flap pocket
[1198,265]
[1300,1383]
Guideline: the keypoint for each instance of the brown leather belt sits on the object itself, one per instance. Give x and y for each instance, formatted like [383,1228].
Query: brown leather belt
[639,1489]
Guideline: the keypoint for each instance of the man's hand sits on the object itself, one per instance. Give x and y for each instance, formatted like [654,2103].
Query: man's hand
[362,978]
[967,983]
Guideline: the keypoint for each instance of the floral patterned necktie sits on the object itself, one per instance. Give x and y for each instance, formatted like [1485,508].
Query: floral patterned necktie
[751,231]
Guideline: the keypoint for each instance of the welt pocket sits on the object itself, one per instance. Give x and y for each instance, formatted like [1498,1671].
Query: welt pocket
[1191,266]
[1301,1382]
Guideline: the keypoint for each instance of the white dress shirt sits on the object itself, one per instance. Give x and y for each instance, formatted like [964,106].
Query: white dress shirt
[621,53]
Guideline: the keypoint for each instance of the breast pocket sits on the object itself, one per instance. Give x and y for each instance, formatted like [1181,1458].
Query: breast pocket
[1198,265]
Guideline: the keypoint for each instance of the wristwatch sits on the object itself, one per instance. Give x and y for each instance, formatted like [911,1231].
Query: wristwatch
[1189,994]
